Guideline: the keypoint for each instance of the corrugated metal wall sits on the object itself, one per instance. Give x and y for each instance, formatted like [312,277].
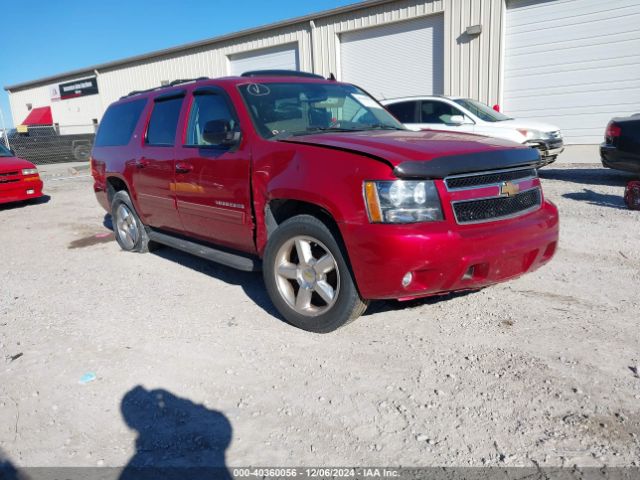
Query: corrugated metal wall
[206,61]
[472,64]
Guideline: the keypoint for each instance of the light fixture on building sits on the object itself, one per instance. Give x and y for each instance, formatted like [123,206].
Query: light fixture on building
[474,30]
[29,106]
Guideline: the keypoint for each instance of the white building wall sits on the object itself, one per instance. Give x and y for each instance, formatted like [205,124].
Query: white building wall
[73,112]
[472,64]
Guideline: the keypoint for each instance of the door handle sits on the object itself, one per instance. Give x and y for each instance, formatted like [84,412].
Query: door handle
[183,167]
[143,162]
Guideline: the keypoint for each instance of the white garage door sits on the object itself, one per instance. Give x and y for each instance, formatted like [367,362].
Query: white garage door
[395,60]
[573,63]
[279,58]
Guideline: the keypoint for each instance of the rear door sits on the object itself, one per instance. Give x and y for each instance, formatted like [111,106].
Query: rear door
[212,181]
[154,168]
[406,113]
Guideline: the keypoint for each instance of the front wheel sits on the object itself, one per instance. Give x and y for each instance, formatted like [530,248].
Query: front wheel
[307,277]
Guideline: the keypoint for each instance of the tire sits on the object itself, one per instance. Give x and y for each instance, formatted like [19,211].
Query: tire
[82,153]
[131,234]
[307,276]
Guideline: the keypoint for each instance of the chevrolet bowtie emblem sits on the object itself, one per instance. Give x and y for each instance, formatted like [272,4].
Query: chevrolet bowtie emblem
[509,189]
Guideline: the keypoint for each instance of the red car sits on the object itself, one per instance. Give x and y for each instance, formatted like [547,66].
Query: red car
[314,182]
[19,179]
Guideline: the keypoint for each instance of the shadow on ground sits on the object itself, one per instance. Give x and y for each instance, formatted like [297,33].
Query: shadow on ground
[599,199]
[588,176]
[7,470]
[176,439]
[382,306]
[25,203]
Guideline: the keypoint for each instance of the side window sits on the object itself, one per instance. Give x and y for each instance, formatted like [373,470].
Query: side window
[206,108]
[404,111]
[164,121]
[118,123]
[433,111]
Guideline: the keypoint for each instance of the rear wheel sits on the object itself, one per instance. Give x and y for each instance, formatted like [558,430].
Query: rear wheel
[308,278]
[129,230]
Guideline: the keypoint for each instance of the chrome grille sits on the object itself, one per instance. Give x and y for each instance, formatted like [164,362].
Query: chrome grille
[489,178]
[496,208]
[555,135]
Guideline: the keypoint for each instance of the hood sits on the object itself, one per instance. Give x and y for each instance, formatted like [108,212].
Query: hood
[397,147]
[11,164]
[528,124]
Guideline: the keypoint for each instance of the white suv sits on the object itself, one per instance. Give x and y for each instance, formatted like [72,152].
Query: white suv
[458,114]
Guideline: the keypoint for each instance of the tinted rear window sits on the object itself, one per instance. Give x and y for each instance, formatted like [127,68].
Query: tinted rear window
[118,123]
[404,111]
[164,120]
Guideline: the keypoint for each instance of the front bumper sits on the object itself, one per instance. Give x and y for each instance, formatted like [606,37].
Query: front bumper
[549,149]
[440,258]
[20,190]
[613,158]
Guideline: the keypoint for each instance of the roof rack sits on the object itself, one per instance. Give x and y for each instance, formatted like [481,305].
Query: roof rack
[170,84]
[280,73]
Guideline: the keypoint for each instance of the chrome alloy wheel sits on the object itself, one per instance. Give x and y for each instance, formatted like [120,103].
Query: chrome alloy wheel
[307,275]
[127,227]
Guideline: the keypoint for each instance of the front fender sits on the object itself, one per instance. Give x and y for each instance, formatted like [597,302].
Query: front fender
[329,179]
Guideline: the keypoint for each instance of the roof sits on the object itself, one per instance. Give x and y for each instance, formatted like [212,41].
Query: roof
[188,46]
[266,78]
[418,97]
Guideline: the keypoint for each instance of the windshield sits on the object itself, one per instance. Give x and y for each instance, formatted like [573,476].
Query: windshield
[5,152]
[280,110]
[482,111]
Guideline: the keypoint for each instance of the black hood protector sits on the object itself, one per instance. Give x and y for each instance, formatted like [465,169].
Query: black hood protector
[441,167]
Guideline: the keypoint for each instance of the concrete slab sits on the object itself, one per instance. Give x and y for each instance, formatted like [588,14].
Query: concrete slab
[579,154]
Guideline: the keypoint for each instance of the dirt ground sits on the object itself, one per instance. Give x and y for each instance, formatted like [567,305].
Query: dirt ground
[193,366]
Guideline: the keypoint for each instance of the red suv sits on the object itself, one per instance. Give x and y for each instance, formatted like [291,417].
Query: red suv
[315,183]
[19,179]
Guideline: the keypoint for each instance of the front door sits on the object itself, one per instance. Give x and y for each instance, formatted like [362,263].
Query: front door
[212,184]
[154,166]
[438,115]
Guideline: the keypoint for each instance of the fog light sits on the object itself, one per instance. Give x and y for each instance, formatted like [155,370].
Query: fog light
[30,192]
[406,280]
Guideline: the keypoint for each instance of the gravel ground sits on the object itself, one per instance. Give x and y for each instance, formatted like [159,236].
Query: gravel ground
[193,366]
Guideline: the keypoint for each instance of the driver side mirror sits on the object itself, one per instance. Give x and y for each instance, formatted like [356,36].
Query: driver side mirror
[220,132]
[457,120]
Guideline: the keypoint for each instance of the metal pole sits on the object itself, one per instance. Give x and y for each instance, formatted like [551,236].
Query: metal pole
[4,130]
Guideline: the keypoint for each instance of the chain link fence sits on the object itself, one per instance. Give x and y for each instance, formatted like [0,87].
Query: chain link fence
[44,145]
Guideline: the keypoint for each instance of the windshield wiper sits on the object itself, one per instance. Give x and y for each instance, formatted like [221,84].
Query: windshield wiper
[311,131]
[331,129]
[380,126]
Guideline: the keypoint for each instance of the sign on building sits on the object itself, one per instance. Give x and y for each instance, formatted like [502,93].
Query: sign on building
[54,92]
[79,88]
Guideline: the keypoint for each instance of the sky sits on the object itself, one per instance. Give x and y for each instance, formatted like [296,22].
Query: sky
[43,38]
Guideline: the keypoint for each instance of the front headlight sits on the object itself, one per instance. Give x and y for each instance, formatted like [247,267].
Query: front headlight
[29,171]
[402,201]
[532,134]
